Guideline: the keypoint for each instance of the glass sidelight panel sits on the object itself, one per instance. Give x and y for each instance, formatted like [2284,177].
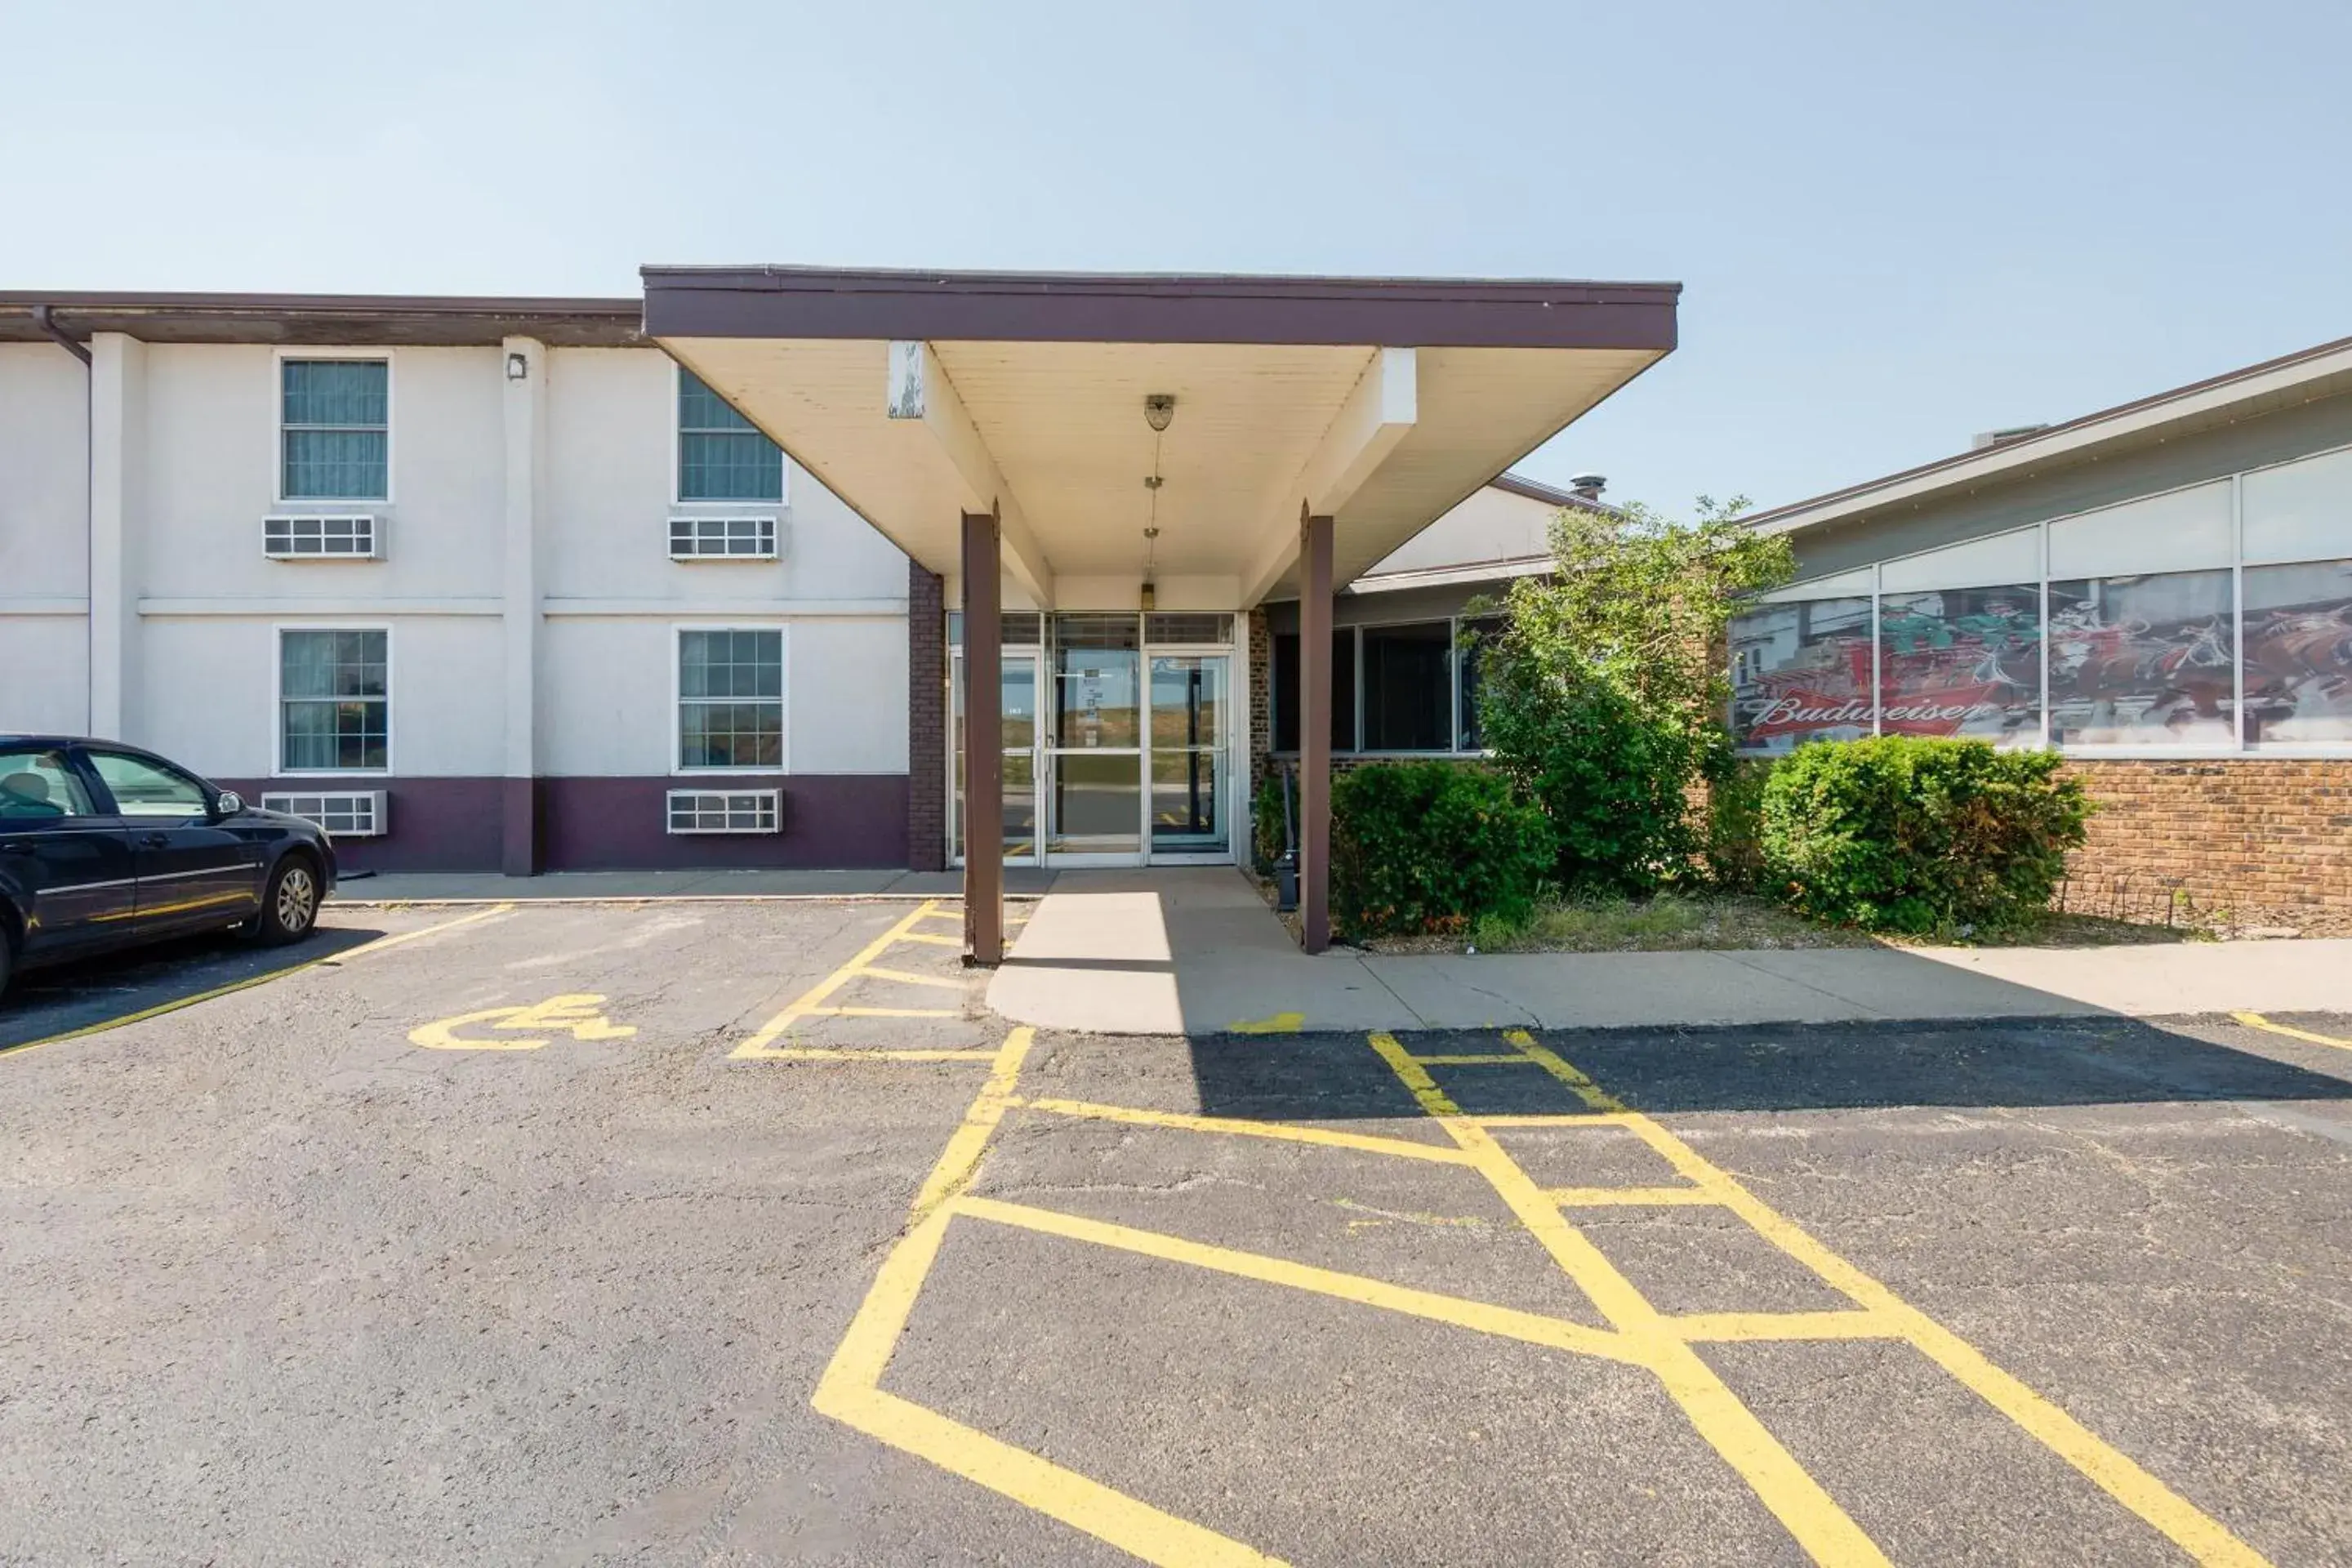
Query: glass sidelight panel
[1188,754]
[1018,700]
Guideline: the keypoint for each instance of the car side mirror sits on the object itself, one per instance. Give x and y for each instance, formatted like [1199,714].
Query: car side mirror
[229,804]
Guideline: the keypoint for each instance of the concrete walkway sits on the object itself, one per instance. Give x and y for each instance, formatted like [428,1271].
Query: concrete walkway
[1196,951]
[488,886]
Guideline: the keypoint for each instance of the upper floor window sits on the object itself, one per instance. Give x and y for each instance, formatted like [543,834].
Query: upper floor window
[334,438]
[721,455]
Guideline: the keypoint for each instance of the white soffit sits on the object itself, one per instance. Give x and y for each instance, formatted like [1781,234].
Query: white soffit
[1063,424]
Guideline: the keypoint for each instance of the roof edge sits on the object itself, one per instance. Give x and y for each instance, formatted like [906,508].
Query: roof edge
[2082,431]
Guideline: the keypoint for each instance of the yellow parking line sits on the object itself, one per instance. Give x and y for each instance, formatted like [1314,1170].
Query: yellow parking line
[1584,1088]
[809,1001]
[2257,1021]
[934,939]
[880,1012]
[1608,1197]
[1572,1119]
[1473,1060]
[850,1390]
[872,1053]
[2196,1532]
[1784,1486]
[250,981]
[1508,1322]
[1718,1327]
[901,977]
[1369,1142]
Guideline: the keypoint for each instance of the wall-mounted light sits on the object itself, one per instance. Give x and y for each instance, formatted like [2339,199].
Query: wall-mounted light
[1159,410]
[517,366]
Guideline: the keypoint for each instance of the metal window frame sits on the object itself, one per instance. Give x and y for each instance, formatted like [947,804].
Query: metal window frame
[679,431]
[677,744]
[278,699]
[306,353]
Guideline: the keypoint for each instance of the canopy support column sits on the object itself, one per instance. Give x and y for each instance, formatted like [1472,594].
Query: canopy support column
[1314,732]
[983,741]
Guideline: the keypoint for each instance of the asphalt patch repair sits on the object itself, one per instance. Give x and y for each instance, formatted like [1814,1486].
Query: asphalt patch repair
[287,1286]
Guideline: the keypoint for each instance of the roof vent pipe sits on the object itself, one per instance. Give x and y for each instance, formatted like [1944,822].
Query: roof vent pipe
[1587,487]
[1983,440]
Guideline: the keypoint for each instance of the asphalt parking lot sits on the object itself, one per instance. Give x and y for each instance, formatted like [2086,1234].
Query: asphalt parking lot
[736,1233]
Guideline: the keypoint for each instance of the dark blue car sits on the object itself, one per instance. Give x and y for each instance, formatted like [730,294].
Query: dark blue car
[104,846]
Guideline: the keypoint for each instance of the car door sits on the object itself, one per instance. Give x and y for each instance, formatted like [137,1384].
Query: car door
[64,864]
[193,872]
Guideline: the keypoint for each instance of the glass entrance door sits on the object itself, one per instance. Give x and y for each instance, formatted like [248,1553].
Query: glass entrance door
[1093,746]
[1018,809]
[1189,755]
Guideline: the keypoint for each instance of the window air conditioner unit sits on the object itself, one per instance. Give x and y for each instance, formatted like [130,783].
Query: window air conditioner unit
[346,814]
[323,536]
[695,537]
[726,811]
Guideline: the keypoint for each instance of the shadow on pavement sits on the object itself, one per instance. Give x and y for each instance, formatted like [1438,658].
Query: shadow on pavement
[94,991]
[1808,1067]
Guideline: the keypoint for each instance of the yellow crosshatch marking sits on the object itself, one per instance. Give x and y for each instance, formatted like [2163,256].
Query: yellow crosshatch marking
[1638,1333]
[817,1002]
[577,1013]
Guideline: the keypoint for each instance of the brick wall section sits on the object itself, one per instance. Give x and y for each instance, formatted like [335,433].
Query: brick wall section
[926,722]
[2246,842]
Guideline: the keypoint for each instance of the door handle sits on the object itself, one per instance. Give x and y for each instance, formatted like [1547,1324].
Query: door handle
[157,841]
[16,848]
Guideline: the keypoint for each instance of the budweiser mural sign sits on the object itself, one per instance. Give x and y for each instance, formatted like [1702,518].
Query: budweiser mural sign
[2146,660]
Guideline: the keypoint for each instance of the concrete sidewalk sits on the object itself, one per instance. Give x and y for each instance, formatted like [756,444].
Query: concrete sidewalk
[1196,951]
[488,886]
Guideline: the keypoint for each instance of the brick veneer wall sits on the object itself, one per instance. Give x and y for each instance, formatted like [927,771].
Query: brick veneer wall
[2248,841]
[926,722]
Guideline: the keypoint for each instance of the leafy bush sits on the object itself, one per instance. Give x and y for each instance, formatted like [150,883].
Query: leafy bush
[1612,774]
[1268,838]
[1604,694]
[1419,848]
[1919,835]
[1734,824]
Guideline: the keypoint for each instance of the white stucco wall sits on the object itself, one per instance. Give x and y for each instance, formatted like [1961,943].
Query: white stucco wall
[43,474]
[203,602]
[44,538]
[1492,525]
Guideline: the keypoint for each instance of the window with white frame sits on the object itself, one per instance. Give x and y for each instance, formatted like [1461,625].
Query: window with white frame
[334,433]
[721,455]
[334,699]
[731,700]
[2212,620]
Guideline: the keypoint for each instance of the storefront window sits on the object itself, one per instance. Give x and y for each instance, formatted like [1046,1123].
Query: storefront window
[2298,623]
[1409,687]
[1962,662]
[2143,661]
[1802,672]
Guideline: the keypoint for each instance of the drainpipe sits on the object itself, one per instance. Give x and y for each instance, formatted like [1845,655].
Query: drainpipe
[45,321]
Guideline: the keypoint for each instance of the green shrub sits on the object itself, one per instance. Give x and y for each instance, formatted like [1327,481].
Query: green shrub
[1613,773]
[1268,838]
[1919,835]
[1734,824]
[1420,848]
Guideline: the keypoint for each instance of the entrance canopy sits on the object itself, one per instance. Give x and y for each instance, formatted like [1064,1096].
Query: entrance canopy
[1381,402]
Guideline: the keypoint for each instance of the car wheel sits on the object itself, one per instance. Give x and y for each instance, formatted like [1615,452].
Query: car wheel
[290,906]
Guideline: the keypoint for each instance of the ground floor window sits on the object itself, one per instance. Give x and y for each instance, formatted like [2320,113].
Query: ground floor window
[334,699]
[1407,686]
[731,700]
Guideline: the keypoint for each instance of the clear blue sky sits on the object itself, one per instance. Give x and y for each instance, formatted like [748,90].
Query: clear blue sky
[1897,222]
